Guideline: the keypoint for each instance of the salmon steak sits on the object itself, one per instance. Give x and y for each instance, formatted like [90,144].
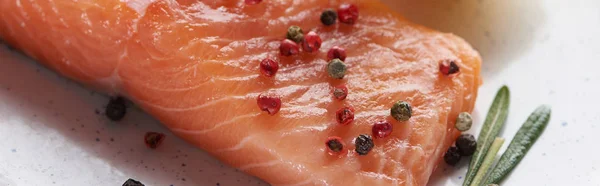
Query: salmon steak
[195,65]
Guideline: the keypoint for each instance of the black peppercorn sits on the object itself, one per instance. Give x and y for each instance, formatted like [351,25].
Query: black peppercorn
[466,144]
[116,109]
[328,17]
[364,144]
[452,156]
[132,182]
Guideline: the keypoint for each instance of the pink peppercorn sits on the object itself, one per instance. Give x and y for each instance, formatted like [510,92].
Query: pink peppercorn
[312,42]
[340,92]
[348,13]
[345,115]
[382,129]
[334,145]
[336,52]
[449,67]
[269,103]
[268,67]
[288,48]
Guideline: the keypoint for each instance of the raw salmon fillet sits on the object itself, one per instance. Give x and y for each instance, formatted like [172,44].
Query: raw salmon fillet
[194,65]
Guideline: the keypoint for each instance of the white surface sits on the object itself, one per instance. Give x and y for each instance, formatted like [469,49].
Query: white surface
[545,51]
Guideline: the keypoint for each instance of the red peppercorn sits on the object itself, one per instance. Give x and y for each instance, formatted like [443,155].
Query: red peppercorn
[288,48]
[336,52]
[382,129]
[340,92]
[312,42]
[153,139]
[269,67]
[345,115]
[334,144]
[269,103]
[449,67]
[348,13]
[253,2]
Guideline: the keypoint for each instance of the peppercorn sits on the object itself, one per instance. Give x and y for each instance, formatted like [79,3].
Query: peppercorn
[312,42]
[288,47]
[328,17]
[336,69]
[345,115]
[334,144]
[463,121]
[153,139]
[348,13]
[364,144]
[116,109]
[132,182]
[269,103]
[449,67]
[466,144]
[340,92]
[336,52]
[295,34]
[268,67]
[401,111]
[382,129]
[452,156]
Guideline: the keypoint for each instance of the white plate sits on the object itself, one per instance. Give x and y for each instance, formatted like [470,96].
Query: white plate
[547,52]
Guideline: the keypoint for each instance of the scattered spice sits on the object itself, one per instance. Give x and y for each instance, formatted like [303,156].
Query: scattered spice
[295,34]
[382,129]
[116,109]
[336,52]
[153,139]
[345,115]
[288,48]
[401,111]
[268,67]
[449,67]
[340,92]
[463,121]
[328,17]
[452,156]
[364,144]
[466,144]
[334,144]
[348,13]
[252,2]
[312,42]
[269,103]
[132,182]
[336,69]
